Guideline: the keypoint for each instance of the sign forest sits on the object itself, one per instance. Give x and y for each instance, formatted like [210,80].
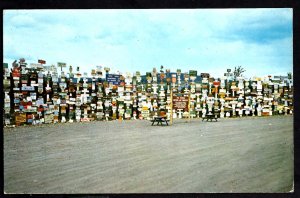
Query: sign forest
[36,94]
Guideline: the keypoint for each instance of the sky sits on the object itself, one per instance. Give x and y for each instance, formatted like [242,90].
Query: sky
[125,40]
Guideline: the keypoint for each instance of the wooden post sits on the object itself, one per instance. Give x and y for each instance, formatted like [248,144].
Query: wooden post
[171,117]
[189,106]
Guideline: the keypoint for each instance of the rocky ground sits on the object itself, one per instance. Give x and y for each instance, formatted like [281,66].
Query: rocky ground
[232,155]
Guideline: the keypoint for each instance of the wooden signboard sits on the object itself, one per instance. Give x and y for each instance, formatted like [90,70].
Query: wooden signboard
[180,102]
[193,73]
[21,117]
[49,118]
[36,66]
[60,64]
[216,83]
[27,88]
[204,75]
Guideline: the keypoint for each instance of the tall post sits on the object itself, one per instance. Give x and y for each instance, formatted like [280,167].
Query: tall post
[189,106]
[171,117]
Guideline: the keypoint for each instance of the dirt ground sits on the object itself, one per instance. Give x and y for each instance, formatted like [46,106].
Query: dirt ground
[232,155]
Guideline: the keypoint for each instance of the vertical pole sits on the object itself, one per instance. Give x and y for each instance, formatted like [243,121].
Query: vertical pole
[189,106]
[171,118]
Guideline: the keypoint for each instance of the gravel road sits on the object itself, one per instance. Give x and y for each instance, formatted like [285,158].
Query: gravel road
[232,155]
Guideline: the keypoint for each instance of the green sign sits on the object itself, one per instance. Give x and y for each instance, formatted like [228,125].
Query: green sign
[5,65]
[193,73]
[60,64]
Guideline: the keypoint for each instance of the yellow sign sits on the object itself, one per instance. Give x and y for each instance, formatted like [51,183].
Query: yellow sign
[21,118]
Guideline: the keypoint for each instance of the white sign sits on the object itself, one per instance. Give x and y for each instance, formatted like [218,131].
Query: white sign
[36,66]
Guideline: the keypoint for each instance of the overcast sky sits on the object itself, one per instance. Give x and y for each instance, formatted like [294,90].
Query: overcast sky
[206,40]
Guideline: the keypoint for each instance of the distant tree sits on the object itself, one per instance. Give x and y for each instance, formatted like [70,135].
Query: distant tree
[238,72]
[289,75]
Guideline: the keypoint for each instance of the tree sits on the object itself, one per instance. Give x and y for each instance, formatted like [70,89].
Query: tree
[289,75]
[238,72]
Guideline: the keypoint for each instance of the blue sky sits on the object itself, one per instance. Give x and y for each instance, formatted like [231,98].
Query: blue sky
[206,40]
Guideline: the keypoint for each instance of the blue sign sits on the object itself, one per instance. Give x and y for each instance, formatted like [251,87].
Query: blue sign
[27,88]
[16,100]
[113,78]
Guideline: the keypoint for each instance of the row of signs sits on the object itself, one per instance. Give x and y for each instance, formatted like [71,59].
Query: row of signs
[128,101]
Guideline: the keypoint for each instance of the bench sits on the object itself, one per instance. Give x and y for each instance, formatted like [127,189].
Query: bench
[210,117]
[159,119]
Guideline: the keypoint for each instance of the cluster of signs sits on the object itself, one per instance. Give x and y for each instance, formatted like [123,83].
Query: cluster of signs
[33,95]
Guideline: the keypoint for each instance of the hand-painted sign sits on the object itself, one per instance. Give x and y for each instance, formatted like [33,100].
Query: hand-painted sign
[21,118]
[27,88]
[30,110]
[180,102]
[193,73]
[36,66]
[60,64]
[113,78]
[41,61]
[216,83]
[204,75]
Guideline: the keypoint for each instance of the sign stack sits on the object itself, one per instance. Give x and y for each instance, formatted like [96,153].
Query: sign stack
[34,96]
[7,91]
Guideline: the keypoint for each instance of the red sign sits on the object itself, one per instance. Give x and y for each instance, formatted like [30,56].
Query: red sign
[41,61]
[173,78]
[216,83]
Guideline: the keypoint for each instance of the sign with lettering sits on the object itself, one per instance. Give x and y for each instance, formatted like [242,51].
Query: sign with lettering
[27,88]
[216,83]
[193,72]
[113,78]
[281,77]
[30,110]
[36,66]
[41,61]
[205,75]
[60,64]
[180,102]
[21,118]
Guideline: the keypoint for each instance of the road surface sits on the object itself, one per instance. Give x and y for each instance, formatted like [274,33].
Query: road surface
[254,154]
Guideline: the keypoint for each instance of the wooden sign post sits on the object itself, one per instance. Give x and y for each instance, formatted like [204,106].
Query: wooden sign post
[189,106]
[61,65]
[171,117]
